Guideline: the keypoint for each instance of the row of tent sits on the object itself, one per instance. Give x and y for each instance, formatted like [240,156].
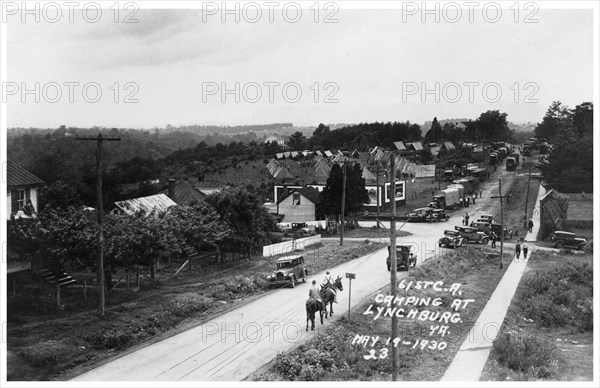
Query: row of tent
[307,153]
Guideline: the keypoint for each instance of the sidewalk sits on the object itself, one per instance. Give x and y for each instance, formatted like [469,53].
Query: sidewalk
[470,359]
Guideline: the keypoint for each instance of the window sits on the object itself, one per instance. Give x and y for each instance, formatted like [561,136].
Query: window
[21,200]
[296,199]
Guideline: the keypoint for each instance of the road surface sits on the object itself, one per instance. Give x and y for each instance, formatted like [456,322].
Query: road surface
[233,345]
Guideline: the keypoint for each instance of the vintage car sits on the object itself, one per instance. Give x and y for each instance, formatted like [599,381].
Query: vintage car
[404,259]
[496,227]
[562,239]
[440,215]
[423,214]
[451,239]
[290,269]
[473,235]
[486,217]
[484,226]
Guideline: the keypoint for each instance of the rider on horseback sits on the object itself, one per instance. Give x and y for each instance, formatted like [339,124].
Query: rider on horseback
[328,283]
[314,293]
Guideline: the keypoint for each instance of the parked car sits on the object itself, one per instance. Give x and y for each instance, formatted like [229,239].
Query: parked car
[404,259]
[481,226]
[470,234]
[451,239]
[496,227]
[421,215]
[562,239]
[440,215]
[290,269]
[487,217]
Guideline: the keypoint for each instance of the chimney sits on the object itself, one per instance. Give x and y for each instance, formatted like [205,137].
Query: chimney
[171,188]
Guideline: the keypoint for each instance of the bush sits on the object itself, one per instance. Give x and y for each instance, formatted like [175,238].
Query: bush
[44,354]
[288,365]
[529,353]
[109,339]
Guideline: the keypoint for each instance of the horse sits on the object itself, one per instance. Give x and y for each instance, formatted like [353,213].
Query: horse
[312,306]
[328,293]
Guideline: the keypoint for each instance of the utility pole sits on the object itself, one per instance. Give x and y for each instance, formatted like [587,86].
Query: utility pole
[393,260]
[99,211]
[343,204]
[500,196]
[378,196]
[527,198]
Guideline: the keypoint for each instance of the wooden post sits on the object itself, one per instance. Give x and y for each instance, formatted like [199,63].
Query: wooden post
[501,222]
[394,260]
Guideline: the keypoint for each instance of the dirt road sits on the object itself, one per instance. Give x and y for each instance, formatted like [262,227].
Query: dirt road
[233,345]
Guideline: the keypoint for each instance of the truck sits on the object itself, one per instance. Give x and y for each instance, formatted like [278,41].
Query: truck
[516,156]
[511,164]
[449,198]
[493,158]
[448,175]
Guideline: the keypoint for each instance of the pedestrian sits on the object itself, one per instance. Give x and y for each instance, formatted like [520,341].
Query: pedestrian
[466,219]
[493,237]
[474,196]
[481,191]
[468,200]
[530,225]
[461,202]
[518,249]
[525,249]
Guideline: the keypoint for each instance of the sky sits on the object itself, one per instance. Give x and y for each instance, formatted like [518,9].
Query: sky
[181,67]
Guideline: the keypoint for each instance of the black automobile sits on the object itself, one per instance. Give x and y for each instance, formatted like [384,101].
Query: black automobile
[562,239]
[451,239]
[440,215]
[404,259]
[472,235]
[290,269]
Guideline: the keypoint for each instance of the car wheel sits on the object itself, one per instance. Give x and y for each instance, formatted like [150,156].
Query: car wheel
[560,245]
[581,247]
[466,240]
[484,241]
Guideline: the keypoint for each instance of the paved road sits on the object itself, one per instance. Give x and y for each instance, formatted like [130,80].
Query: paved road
[235,344]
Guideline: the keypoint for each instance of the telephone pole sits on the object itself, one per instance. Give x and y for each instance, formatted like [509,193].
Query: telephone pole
[393,263]
[343,204]
[500,196]
[99,210]
[527,198]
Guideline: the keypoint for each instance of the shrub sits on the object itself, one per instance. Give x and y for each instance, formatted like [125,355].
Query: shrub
[288,365]
[109,339]
[528,353]
[311,373]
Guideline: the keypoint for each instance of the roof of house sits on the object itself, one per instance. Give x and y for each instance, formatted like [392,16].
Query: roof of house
[17,176]
[185,194]
[435,151]
[309,193]
[158,202]
[399,145]
[417,145]
[449,145]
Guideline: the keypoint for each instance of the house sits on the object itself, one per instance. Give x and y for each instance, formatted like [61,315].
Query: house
[275,139]
[400,146]
[208,188]
[299,205]
[183,193]
[158,202]
[416,146]
[22,190]
[447,145]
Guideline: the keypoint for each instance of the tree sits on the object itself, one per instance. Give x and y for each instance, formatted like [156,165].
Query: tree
[251,224]
[557,117]
[436,134]
[297,141]
[492,126]
[356,194]
[583,118]
[59,195]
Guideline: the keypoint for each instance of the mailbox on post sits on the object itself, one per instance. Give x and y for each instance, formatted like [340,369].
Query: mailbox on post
[350,276]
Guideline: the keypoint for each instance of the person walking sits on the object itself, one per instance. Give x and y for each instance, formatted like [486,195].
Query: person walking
[493,237]
[481,191]
[518,249]
[525,249]
[530,225]
[473,197]
[466,219]
[461,202]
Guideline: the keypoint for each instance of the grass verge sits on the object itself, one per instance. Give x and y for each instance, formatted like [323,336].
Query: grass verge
[548,331]
[333,355]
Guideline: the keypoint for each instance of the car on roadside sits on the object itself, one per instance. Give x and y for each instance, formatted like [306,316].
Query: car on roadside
[451,239]
[290,270]
[482,226]
[423,214]
[562,239]
[472,235]
[404,259]
[440,215]
[486,217]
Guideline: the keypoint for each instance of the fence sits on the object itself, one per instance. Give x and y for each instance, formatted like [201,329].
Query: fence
[290,246]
